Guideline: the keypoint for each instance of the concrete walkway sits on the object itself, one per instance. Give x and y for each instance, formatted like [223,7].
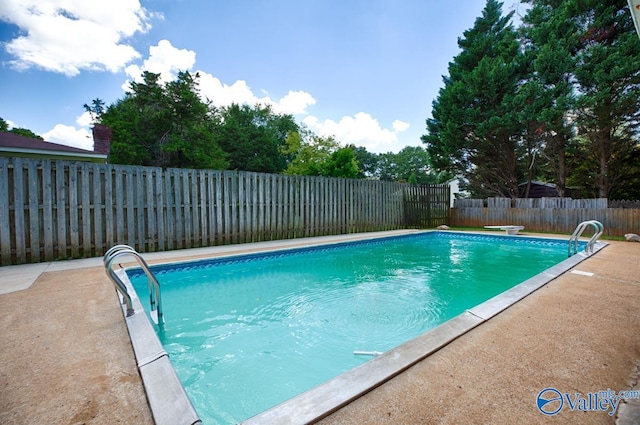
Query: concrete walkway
[65,356]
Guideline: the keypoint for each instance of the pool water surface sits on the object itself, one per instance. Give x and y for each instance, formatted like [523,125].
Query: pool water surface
[248,332]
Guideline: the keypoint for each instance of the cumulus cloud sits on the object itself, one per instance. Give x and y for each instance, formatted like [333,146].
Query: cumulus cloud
[85,120]
[167,60]
[70,36]
[164,59]
[361,130]
[221,94]
[70,136]
[294,102]
[400,126]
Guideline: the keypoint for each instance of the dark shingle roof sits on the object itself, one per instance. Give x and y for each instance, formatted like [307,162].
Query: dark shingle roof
[11,140]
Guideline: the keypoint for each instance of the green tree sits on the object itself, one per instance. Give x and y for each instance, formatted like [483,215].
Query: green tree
[631,187]
[608,81]
[411,164]
[164,125]
[342,163]
[95,110]
[546,99]
[253,137]
[25,132]
[313,155]
[308,152]
[474,130]
[584,56]
[4,126]
[367,162]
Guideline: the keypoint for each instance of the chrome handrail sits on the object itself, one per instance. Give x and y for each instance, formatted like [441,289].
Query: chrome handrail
[153,284]
[574,239]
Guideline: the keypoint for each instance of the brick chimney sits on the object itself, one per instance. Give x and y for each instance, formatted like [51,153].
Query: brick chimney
[101,139]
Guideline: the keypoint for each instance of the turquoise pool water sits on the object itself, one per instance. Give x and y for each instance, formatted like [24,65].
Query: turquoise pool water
[246,333]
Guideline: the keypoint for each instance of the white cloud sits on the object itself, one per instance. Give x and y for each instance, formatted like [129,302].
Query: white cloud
[400,126]
[221,94]
[167,60]
[362,130]
[164,59]
[68,36]
[294,102]
[70,136]
[84,120]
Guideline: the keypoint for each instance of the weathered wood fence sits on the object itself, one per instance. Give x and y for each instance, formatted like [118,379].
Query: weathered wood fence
[59,209]
[553,215]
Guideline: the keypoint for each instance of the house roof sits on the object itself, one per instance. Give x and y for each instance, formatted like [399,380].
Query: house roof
[16,145]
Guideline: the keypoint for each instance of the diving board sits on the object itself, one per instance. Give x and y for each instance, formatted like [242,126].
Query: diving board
[510,229]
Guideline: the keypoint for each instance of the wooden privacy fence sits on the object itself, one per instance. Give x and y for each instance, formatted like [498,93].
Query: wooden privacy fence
[553,215]
[426,205]
[535,203]
[59,209]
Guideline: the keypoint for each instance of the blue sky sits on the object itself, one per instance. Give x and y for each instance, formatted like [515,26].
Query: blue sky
[364,71]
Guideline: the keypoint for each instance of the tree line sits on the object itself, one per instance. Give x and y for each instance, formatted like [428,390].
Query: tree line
[555,99]
[170,125]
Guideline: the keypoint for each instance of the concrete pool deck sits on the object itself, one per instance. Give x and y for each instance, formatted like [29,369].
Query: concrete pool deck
[579,333]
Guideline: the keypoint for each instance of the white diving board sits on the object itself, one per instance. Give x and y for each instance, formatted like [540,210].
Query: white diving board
[510,229]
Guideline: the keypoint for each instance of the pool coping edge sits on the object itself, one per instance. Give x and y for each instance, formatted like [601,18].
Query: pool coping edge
[167,397]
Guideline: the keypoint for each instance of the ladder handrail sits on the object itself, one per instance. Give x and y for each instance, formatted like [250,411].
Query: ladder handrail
[595,237]
[153,284]
[574,239]
[120,287]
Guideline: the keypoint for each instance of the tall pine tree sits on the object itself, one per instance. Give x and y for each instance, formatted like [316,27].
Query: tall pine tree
[474,130]
[548,96]
[608,80]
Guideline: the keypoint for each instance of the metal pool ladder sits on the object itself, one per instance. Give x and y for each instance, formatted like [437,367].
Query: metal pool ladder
[574,239]
[154,287]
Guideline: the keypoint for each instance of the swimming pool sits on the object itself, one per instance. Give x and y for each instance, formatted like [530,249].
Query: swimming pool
[411,285]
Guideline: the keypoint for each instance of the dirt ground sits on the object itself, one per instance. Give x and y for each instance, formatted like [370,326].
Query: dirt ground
[65,356]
